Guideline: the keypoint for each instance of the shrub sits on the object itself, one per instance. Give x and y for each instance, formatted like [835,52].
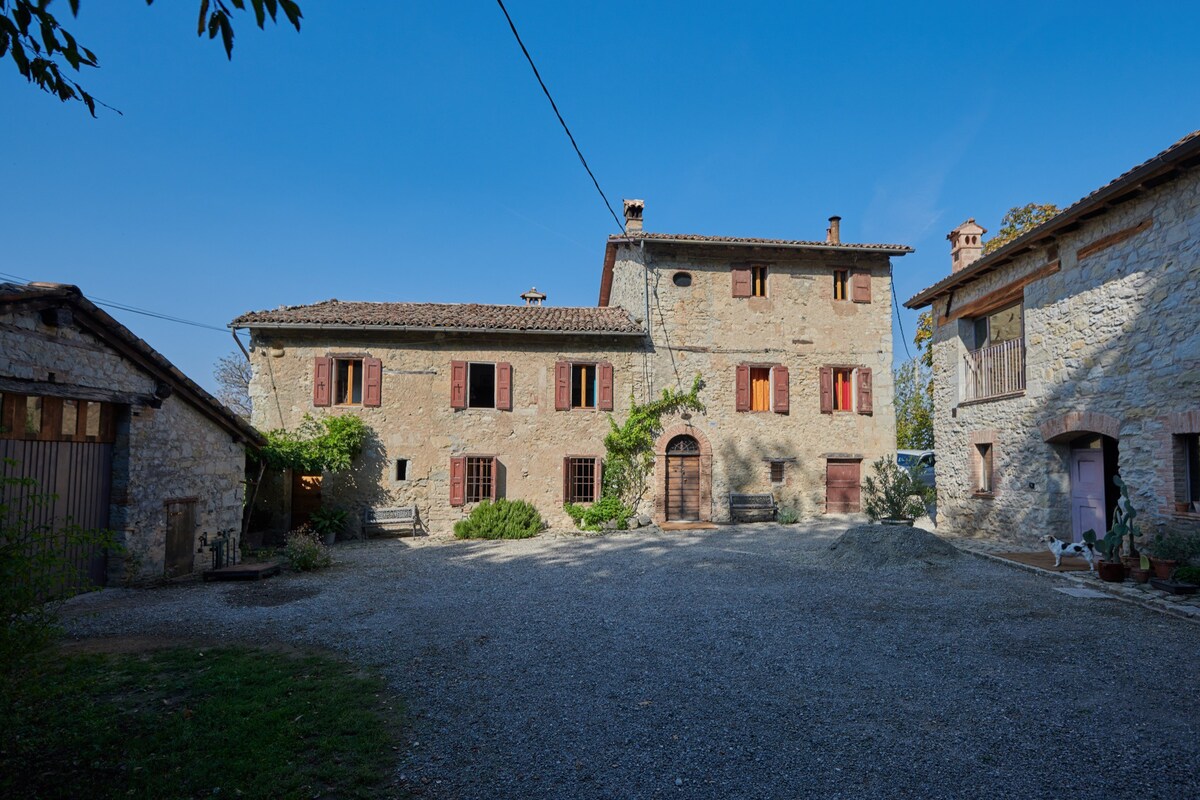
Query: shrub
[592,518]
[893,492]
[1175,547]
[327,519]
[1188,574]
[787,516]
[503,519]
[304,550]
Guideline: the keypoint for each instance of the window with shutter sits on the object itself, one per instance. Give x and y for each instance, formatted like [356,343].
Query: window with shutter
[742,393]
[781,400]
[581,479]
[865,403]
[760,388]
[741,282]
[758,281]
[826,375]
[322,381]
[504,399]
[562,386]
[458,384]
[481,385]
[604,382]
[583,385]
[843,389]
[480,478]
[861,288]
[840,280]
[348,381]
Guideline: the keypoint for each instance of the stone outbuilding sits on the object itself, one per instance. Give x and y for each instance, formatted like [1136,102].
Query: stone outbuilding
[791,339]
[125,440]
[1072,354]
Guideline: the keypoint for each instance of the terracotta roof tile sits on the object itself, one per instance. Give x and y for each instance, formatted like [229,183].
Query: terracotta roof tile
[899,249]
[449,316]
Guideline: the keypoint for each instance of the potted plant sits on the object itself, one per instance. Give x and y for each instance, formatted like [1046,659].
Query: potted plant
[328,522]
[893,495]
[1169,550]
[1142,573]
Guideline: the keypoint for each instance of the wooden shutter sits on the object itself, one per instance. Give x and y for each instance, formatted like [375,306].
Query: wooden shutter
[605,399]
[562,386]
[458,384]
[742,393]
[322,381]
[495,478]
[860,290]
[865,403]
[781,401]
[742,282]
[504,400]
[826,390]
[372,382]
[458,481]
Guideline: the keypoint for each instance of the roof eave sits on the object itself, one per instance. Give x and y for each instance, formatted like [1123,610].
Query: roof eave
[418,329]
[898,250]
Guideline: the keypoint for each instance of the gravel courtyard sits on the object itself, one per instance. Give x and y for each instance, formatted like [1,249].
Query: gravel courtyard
[727,663]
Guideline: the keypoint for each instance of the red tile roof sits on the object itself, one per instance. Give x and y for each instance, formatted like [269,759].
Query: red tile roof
[897,249]
[1184,154]
[466,317]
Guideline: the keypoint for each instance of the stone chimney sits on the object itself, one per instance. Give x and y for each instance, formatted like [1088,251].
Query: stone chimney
[633,215]
[966,244]
[833,234]
[533,297]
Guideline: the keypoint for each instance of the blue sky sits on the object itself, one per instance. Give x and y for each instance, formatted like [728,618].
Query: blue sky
[403,151]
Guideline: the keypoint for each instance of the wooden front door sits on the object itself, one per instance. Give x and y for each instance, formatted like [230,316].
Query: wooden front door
[683,479]
[842,487]
[1087,493]
[306,497]
[181,536]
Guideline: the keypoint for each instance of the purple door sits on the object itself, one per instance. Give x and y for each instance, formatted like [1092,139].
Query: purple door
[1087,493]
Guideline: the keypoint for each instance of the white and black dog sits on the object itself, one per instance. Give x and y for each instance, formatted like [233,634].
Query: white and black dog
[1061,548]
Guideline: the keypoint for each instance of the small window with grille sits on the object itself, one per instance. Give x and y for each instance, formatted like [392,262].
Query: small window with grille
[583,478]
[777,473]
[479,478]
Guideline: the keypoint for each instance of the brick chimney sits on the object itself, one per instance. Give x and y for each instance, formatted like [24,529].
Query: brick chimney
[633,215]
[966,244]
[833,234]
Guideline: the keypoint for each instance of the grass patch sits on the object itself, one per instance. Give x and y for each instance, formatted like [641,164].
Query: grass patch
[189,722]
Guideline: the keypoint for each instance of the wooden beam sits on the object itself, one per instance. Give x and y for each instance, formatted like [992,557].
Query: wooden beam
[74,392]
[1113,238]
[1004,296]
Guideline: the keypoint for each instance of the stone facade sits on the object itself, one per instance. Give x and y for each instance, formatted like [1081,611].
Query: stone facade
[695,329]
[1111,307]
[169,441]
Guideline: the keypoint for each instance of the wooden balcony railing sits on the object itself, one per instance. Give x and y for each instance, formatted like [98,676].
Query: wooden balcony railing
[996,371]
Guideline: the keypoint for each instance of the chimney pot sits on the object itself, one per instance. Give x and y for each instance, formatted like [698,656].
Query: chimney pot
[833,234]
[966,244]
[633,215]
[533,297]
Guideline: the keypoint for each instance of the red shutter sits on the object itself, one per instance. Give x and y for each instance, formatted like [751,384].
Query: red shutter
[598,471]
[781,400]
[372,382]
[605,371]
[826,390]
[562,386]
[504,387]
[865,403]
[741,282]
[860,291]
[458,481]
[742,395]
[495,477]
[322,381]
[567,479]
[458,384]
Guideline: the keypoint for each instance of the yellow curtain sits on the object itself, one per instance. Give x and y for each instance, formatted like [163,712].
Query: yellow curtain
[760,390]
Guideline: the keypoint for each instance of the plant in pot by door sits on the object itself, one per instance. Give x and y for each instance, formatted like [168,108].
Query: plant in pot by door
[1141,573]
[894,495]
[1112,568]
[1171,549]
[328,522]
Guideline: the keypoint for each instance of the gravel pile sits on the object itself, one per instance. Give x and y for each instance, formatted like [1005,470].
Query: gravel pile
[881,546]
[731,663]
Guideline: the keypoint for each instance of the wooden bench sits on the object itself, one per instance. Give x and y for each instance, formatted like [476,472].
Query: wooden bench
[390,519]
[752,505]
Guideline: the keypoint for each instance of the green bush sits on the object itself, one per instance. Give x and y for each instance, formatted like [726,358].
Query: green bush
[503,519]
[327,519]
[892,492]
[1188,574]
[592,518]
[787,516]
[304,550]
[1175,547]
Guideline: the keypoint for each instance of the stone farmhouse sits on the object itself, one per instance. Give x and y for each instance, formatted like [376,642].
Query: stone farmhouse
[467,402]
[125,440]
[1071,354]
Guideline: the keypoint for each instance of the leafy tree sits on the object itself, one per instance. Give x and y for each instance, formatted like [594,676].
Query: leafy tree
[923,339]
[914,406]
[40,47]
[328,444]
[1018,220]
[233,374]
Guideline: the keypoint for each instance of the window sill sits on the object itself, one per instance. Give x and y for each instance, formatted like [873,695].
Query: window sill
[984,495]
[998,397]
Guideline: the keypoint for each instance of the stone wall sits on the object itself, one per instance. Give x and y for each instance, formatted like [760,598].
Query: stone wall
[1114,335]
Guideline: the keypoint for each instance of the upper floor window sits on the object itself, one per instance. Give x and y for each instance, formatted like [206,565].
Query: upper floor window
[758,281]
[843,391]
[996,365]
[762,388]
[584,385]
[840,280]
[349,380]
[348,385]
[750,281]
[481,385]
[998,327]
[846,389]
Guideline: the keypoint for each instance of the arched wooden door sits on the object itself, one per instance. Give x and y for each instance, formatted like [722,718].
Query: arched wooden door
[683,479]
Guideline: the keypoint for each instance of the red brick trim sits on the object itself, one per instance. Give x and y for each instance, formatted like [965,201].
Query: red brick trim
[1183,422]
[1080,422]
[983,436]
[1171,469]
[660,470]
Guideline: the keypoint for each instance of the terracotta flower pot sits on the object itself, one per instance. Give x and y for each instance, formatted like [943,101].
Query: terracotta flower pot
[1163,567]
[1113,572]
[1131,562]
[1141,575]
[1182,507]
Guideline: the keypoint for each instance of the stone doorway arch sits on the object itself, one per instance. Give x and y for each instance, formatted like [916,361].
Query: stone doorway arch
[1089,444]
[685,450]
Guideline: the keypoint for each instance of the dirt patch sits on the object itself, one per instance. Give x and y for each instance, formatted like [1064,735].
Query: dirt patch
[877,546]
[267,594]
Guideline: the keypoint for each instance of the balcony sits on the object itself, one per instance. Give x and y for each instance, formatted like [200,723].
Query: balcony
[996,371]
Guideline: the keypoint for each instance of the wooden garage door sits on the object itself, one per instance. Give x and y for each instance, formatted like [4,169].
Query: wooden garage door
[841,486]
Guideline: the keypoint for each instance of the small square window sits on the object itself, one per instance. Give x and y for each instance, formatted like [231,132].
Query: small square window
[777,471]
[983,484]
[401,473]
[583,386]
[758,281]
[840,280]
[582,476]
[480,479]
[348,388]
[481,385]
[843,389]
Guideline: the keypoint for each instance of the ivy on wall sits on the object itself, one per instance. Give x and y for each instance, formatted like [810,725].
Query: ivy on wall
[328,444]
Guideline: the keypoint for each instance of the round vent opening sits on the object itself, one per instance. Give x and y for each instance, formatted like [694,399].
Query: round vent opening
[682,279]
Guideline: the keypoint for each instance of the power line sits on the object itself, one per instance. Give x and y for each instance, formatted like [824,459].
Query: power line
[561,121]
[896,305]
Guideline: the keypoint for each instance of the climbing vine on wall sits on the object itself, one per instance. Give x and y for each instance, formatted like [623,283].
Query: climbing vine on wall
[328,444]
